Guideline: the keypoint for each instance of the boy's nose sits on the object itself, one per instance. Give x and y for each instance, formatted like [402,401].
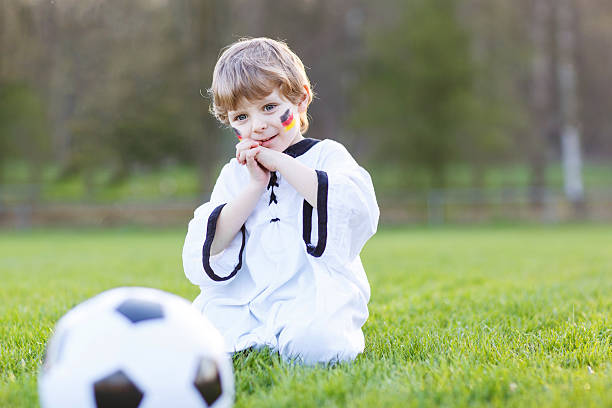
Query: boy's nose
[259,125]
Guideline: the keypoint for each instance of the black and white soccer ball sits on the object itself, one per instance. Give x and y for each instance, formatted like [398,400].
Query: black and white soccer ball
[135,347]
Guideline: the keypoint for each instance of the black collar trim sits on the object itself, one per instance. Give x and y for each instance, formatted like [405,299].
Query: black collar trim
[301,147]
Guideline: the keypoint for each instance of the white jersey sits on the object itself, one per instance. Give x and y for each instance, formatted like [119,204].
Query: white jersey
[292,278]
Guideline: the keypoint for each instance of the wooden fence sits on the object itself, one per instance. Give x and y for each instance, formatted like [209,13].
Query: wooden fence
[21,209]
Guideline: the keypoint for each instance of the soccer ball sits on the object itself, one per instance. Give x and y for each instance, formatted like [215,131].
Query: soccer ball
[135,347]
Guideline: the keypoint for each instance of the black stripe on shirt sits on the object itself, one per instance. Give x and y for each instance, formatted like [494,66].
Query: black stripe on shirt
[322,189]
[210,235]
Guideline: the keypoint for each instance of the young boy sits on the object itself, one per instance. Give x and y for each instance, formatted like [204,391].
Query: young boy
[276,249]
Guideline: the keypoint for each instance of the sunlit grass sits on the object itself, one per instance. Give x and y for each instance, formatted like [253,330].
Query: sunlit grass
[503,316]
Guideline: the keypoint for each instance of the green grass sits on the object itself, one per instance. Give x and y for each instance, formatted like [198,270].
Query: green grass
[502,316]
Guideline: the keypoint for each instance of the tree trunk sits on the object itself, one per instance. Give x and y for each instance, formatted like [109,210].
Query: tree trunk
[203,31]
[539,99]
[568,110]
[60,105]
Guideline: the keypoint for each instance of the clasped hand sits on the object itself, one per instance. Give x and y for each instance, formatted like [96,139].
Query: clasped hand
[260,161]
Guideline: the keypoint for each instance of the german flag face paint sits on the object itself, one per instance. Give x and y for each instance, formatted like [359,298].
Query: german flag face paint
[237,133]
[287,120]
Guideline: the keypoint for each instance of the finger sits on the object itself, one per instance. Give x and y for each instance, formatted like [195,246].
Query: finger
[242,157]
[239,148]
[243,147]
[246,145]
[246,153]
[250,160]
[252,153]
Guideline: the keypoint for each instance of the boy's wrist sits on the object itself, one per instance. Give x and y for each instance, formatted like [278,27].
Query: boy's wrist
[256,187]
[282,161]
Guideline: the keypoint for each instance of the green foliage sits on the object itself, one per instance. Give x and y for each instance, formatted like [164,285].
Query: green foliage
[148,132]
[425,96]
[179,182]
[22,124]
[499,46]
[458,317]
[425,84]
[391,179]
[418,87]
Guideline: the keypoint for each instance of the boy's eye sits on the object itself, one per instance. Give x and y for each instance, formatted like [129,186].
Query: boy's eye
[269,107]
[242,116]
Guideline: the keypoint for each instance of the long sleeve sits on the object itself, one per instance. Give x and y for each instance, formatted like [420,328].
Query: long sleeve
[201,268]
[347,212]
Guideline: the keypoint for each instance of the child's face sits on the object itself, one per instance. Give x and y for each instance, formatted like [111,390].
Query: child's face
[273,121]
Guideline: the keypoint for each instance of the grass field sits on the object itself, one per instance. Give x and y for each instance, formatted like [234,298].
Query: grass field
[502,316]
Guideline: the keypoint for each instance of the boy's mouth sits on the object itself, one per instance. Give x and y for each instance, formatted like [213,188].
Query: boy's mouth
[268,139]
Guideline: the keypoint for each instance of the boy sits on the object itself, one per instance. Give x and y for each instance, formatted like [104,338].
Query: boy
[276,249]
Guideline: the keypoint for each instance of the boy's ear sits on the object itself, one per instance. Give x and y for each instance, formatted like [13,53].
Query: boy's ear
[303,104]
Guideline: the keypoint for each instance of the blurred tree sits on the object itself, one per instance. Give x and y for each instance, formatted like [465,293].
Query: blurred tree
[116,90]
[427,83]
[554,107]
[58,106]
[540,97]
[148,108]
[86,87]
[417,91]
[327,38]
[571,154]
[593,53]
[22,128]
[497,45]
[22,109]
[201,30]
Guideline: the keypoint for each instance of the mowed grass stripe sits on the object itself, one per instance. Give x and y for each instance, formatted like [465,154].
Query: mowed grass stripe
[503,316]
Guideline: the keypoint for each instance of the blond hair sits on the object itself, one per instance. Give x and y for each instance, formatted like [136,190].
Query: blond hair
[252,68]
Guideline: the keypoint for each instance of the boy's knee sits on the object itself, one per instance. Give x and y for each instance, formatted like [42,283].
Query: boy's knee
[315,343]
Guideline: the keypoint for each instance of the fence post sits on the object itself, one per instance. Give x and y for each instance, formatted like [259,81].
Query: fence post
[435,207]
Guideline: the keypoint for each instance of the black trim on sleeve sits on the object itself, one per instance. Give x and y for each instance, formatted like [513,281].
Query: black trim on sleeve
[210,235]
[321,215]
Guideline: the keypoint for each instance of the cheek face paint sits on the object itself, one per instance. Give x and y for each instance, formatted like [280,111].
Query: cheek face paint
[237,133]
[287,120]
